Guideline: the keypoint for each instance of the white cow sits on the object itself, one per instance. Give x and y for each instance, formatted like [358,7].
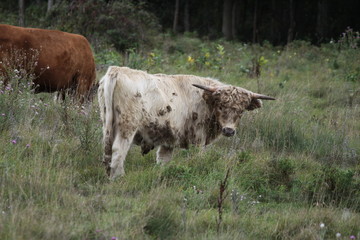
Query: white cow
[168,111]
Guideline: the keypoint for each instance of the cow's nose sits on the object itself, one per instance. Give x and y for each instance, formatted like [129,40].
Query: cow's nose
[228,132]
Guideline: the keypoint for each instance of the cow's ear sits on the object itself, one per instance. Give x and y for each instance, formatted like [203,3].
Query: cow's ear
[255,103]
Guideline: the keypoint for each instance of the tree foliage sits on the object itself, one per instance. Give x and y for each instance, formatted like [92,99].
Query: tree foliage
[123,24]
[130,23]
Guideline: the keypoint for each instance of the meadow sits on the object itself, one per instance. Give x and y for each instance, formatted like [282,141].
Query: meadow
[292,171]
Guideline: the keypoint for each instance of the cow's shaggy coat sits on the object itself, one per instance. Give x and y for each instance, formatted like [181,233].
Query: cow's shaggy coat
[168,111]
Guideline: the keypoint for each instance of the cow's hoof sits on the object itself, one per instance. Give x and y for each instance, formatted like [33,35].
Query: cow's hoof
[115,173]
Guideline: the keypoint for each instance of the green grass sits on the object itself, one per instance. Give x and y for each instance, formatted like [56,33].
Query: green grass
[294,163]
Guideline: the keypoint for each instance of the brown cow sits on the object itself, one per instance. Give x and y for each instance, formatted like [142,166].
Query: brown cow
[65,61]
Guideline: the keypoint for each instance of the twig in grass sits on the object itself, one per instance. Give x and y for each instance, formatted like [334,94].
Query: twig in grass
[183,213]
[221,199]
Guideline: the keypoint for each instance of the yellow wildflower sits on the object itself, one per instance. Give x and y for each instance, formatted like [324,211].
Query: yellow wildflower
[190,60]
[262,60]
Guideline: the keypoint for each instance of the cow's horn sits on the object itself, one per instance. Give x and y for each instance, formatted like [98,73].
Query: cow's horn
[260,96]
[209,89]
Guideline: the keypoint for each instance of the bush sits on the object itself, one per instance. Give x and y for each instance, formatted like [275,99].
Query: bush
[280,173]
[123,24]
[349,39]
[334,186]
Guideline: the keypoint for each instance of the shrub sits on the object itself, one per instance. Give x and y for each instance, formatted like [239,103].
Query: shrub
[124,24]
[334,186]
[107,57]
[280,173]
[349,39]
[209,57]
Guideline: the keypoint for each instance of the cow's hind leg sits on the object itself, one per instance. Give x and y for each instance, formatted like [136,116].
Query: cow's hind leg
[164,154]
[120,148]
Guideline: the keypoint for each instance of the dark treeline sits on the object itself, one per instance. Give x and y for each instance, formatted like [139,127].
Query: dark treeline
[277,21]
[255,21]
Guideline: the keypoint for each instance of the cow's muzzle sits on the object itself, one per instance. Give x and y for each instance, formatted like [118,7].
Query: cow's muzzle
[228,132]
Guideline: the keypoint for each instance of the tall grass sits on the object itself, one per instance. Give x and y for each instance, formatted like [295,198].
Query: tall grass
[294,163]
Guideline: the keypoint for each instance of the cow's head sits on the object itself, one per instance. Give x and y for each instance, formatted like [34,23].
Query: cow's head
[229,103]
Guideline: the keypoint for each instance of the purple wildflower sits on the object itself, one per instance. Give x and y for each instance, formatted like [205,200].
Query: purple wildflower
[13,141]
[114,238]
[3,114]
[352,237]
[28,145]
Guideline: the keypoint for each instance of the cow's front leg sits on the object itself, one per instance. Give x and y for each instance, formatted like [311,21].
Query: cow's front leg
[120,148]
[164,154]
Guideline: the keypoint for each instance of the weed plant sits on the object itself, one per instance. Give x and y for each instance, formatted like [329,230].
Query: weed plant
[294,165]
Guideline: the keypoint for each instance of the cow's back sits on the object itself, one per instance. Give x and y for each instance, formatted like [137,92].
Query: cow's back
[160,96]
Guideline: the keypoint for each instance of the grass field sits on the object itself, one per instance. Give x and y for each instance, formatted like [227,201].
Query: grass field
[293,166]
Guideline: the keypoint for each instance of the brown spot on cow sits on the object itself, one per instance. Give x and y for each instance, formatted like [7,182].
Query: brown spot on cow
[161,112]
[164,111]
[195,116]
[159,133]
[212,128]
[188,136]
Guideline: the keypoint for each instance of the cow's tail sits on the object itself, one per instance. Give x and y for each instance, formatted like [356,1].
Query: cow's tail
[109,82]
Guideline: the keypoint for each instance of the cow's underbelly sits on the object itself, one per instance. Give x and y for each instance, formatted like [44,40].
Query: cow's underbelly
[154,134]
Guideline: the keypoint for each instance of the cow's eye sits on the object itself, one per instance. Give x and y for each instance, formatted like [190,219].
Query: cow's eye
[220,108]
